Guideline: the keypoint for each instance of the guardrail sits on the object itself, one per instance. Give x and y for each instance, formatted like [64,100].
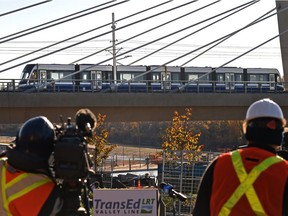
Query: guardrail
[143,86]
[10,85]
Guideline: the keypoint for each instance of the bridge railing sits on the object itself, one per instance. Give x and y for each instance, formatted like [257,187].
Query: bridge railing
[10,85]
[144,86]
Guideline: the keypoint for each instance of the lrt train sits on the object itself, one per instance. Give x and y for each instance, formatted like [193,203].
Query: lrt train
[153,78]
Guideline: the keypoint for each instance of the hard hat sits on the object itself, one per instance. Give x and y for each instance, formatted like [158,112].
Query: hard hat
[264,108]
[36,137]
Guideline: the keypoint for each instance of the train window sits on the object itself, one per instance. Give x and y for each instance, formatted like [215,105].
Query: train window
[33,77]
[220,77]
[25,75]
[140,78]
[271,77]
[107,75]
[96,75]
[65,76]
[258,77]
[252,77]
[227,77]
[156,77]
[125,76]
[27,71]
[42,74]
[175,76]
[238,77]
[86,75]
[203,77]
[192,77]
[61,75]
[264,77]
[200,77]
[53,75]
[129,76]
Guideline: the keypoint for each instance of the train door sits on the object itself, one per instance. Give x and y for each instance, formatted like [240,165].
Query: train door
[229,81]
[272,81]
[96,80]
[156,77]
[165,80]
[43,77]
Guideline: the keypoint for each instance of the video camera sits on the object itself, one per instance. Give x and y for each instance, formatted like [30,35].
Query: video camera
[72,164]
[71,156]
[169,189]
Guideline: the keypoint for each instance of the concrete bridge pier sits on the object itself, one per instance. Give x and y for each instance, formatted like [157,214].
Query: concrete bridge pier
[283,26]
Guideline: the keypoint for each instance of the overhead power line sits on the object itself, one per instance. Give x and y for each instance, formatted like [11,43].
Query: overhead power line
[149,30]
[219,39]
[138,76]
[224,39]
[117,29]
[23,8]
[10,37]
[97,36]
[86,32]
[250,50]
[242,7]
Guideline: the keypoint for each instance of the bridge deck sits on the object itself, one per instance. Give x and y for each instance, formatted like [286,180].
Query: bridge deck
[127,107]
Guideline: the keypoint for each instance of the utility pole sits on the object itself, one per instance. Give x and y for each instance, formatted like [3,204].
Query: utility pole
[114,48]
[115,51]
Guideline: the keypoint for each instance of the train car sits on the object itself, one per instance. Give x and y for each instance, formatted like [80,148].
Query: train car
[97,77]
[264,80]
[56,77]
[131,78]
[164,78]
[198,79]
[88,77]
[247,80]
[66,77]
[229,79]
[41,76]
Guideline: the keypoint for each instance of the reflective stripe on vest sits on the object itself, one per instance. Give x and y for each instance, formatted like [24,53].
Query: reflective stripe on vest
[246,184]
[3,211]
[18,186]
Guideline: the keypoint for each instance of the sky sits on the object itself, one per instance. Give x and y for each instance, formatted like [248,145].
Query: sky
[132,50]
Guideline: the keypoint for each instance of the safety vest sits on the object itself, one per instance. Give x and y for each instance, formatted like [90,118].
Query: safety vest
[247,182]
[22,193]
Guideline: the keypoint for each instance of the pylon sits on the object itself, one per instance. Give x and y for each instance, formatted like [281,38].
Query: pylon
[139,184]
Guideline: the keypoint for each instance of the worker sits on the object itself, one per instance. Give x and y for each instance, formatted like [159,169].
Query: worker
[251,180]
[27,186]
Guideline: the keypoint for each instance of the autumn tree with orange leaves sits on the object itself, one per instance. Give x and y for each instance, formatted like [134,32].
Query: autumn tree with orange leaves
[100,142]
[179,136]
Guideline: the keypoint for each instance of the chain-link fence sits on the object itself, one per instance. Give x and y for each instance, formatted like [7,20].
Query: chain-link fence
[181,169]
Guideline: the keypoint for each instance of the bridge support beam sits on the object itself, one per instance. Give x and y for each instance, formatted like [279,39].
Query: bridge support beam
[283,26]
[16,108]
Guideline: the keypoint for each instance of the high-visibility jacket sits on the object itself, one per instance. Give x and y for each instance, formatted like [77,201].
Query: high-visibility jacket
[248,181]
[22,193]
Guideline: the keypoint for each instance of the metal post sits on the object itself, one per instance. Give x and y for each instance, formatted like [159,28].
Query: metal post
[112,170]
[181,178]
[114,48]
